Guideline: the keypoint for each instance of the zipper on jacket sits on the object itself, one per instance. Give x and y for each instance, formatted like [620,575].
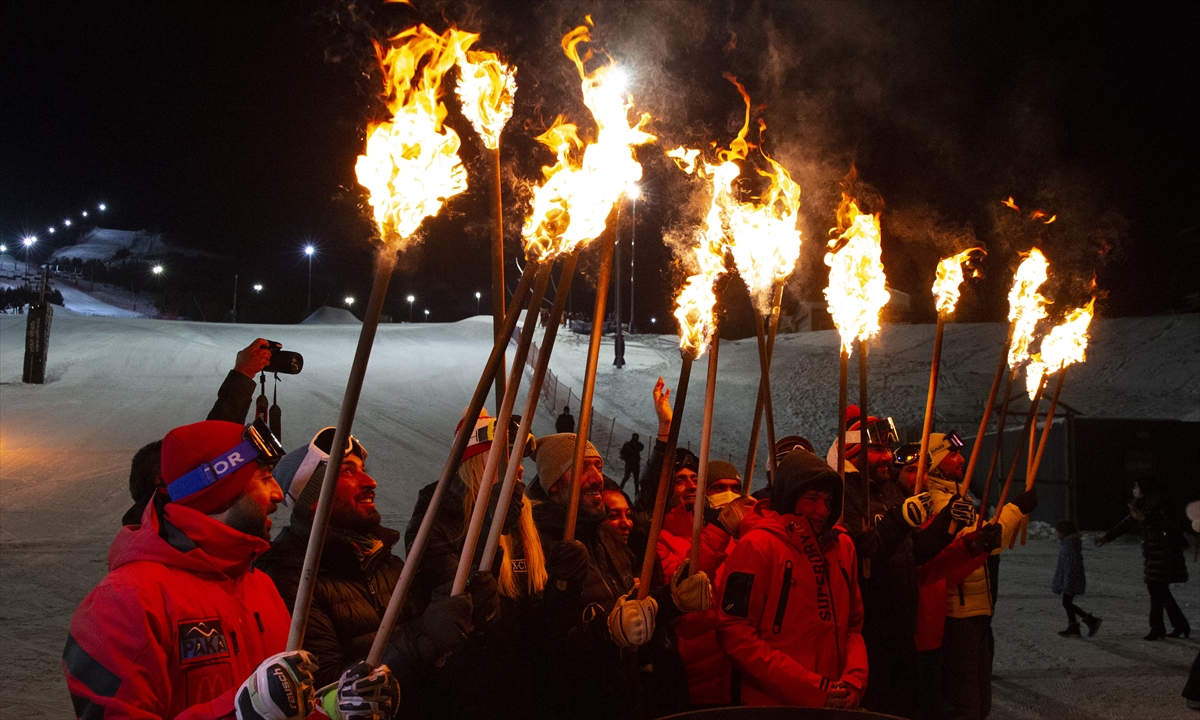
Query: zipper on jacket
[258,619]
[783,597]
[233,641]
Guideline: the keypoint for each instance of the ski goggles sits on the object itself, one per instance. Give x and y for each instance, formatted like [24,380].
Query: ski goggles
[258,444]
[317,455]
[906,454]
[880,431]
[950,443]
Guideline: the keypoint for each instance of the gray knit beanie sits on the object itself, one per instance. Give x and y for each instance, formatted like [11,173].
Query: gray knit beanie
[554,456]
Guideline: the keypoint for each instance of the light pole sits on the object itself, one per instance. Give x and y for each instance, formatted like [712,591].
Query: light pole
[426,316]
[3,252]
[258,287]
[410,302]
[28,242]
[477,296]
[635,195]
[309,251]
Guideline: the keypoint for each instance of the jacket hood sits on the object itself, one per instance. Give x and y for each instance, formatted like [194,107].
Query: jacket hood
[799,472]
[178,536]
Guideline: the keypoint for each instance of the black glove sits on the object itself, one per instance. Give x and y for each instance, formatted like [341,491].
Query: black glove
[568,562]
[512,518]
[485,599]
[444,626]
[984,540]
[1026,502]
[963,511]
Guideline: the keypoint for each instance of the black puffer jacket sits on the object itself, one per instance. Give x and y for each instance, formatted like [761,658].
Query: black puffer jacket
[349,599]
[894,550]
[1162,538]
[489,677]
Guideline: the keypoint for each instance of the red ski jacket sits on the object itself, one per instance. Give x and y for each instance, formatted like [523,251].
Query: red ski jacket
[708,669]
[790,614]
[950,567]
[179,622]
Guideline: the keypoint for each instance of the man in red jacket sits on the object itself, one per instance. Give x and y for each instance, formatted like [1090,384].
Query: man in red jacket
[183,626]
[790,616]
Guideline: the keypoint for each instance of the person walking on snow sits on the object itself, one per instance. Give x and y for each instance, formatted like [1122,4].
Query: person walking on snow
[183,626]
[1069,579]
[631,455]
[565,423]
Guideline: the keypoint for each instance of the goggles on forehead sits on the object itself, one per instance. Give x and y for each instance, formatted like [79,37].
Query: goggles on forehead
[907,454]
[485,432]
[258,444]
[950,443]
[880,431]
[317,454]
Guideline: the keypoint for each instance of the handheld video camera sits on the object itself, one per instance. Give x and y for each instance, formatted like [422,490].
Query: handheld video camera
[283,361]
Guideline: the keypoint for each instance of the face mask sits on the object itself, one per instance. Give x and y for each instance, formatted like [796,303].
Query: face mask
[720,500]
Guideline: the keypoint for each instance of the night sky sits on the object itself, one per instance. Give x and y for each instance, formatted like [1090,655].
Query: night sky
[233,128]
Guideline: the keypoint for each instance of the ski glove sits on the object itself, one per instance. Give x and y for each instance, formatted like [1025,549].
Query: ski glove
[691,594]
[1026,502]
[362,694]
[916,509]
[568,562]
[280,688]
[963,511]
[985,540]
[485,599]
[731,514]
[631,622]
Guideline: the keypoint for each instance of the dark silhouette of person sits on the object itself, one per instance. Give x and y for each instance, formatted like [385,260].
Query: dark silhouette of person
[565,422]
[631,454]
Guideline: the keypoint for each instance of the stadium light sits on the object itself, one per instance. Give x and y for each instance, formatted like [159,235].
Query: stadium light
[257,287]
[67,223]
[652,321]
[84,213]
[410,302]
[309,251]
[426,316]
[157,269]
[50,230]
[477,296]
[3,248]
[349,301]
[103,207]
[632,191]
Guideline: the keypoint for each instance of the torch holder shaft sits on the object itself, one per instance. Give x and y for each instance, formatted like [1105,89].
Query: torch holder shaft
[710,393]
[931,396]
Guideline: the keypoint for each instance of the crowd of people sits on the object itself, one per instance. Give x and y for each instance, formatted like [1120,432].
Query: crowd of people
[809,593]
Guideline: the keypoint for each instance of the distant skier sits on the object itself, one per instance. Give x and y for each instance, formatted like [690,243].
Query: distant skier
[631,455]
[565,422]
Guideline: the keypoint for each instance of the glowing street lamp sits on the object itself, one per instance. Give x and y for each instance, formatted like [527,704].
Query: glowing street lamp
[66,223]
[157,269]
[410,302]
[50,230]
[349,301]
[309,251]
[84,213]
[102,207]
[477,296]
[257,287]
[426,316]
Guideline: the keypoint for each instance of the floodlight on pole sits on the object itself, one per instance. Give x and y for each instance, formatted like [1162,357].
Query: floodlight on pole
[477,296]
[84,213]
[349,301]
[50,230]
[410,299]
[309,251]
[257,287]
[157,269]
[426,316]
[3,249]
[103,207]
[67,223]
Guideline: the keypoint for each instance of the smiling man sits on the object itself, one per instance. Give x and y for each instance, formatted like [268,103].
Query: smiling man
[357,572]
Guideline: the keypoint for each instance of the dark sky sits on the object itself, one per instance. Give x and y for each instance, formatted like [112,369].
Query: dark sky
[234,127]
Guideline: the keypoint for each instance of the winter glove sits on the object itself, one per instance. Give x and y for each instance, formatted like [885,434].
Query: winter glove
[691,594]
[280,688]
[512,517]
[963,511]
[916,509]
[732,514]
[568,562]
[485,599]
[631,622]
[441,629]
[843,695]
[1026,502]
[362,694]
[985,540]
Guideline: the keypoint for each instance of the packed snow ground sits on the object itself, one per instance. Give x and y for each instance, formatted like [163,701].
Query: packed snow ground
[118,383]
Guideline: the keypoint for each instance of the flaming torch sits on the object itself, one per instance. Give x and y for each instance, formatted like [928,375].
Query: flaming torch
[1065,345]
[946,289]
[857,292]
[486,87]
[1026,307]
[410,168]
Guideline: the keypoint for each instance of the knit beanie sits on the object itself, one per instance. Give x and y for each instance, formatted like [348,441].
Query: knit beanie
[186,448]
[297,470]
[722,470]
[554,456]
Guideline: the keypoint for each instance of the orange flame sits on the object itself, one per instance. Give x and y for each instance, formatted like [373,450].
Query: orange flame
[1026,306]
[1065,344]
[857,286]
[486,87]
[411,165]
[1010,203]
[572,206]
[950,277]
[760,235]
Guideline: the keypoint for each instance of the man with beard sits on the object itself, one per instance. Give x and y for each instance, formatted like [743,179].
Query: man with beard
[590,610]
[893,535]
[183,618]
[357,572]
[790,616]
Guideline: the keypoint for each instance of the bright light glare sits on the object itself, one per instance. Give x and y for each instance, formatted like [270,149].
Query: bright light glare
[257,287]
[619,78]
[3,248]
[652,321]
[67,223]
[157,269]
[349,300]
[50,230]
[85,213]
[29,241]
[309,250]
[411,298]
[103,207]
[632,191]
[478,295]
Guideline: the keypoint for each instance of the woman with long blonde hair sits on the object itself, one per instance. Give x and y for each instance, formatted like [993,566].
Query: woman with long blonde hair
[489,676]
